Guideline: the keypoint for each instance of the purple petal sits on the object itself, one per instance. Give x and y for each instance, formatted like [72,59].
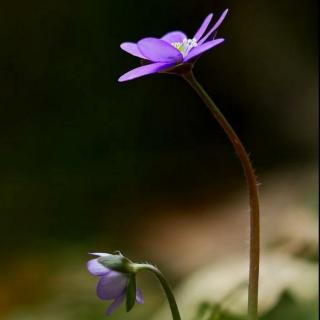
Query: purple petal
[158,50]
[201,49]
[203,27]
[139,297]
[116,303]
[132,48]
[175,36]
[99,254]
[96,268]
[111,285]
[144,70]
[215,27]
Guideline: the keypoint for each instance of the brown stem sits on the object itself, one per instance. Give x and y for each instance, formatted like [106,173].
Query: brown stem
[253,194]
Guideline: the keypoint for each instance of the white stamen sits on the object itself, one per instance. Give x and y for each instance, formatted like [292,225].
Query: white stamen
[185,46]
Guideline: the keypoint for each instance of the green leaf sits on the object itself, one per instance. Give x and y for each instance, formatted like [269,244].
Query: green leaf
[131,292]
[208,311]
[286,308]
[289,308]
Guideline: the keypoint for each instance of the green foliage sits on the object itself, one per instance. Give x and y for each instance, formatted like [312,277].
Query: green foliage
[207,311]
[286,308]
[131,292]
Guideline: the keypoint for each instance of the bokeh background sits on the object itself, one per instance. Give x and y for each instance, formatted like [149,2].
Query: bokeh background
[88,164]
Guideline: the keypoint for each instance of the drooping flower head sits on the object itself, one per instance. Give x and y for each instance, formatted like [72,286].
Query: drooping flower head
[114,285]
[173,49]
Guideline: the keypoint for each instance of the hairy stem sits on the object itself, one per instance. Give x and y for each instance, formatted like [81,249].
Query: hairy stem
[253,193]
[166,288]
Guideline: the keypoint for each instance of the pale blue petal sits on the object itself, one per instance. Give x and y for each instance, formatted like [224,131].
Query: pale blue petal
[158,50]
[215,27]
[96,268]
[203,27]
[111,285]
[133,49]
[139,297]
[174,36]
[116,303]
[144,70]
[201,49]
[100,254]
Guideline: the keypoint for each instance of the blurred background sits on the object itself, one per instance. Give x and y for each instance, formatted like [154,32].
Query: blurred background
[88,164]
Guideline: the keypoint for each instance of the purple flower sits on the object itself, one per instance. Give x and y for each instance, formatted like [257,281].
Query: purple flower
[173,49]
[112,285]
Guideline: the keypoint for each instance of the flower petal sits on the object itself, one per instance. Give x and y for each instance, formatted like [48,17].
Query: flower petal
[99,254]
[139,297]
[158,50]
[200,49]
[144,70]
[132,48]
[203,27]
[111,285]
[116,303]
[174,36]
[96,268]
[215,27]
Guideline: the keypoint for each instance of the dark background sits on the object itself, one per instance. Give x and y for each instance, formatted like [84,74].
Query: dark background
[82,156]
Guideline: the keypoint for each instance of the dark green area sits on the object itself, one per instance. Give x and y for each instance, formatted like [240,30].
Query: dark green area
[80,152]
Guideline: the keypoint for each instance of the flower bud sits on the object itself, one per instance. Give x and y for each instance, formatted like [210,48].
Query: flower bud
[117,262]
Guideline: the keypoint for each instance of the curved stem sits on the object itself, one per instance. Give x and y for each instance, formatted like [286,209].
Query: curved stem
[166,288]
[253,194]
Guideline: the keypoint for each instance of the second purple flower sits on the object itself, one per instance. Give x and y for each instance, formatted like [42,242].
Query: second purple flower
[112,285]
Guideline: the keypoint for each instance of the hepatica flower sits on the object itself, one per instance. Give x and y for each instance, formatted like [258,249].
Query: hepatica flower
[173,49]
[114,285]
[118,281]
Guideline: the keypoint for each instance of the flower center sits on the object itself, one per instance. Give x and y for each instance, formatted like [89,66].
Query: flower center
[185,46]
